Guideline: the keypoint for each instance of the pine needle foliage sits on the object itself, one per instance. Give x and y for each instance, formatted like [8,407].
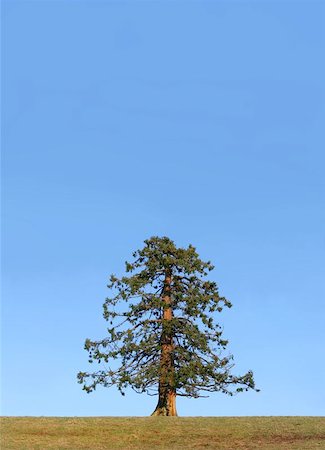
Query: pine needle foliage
[162,329]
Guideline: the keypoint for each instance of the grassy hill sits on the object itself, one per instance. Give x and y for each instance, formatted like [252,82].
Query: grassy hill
[146,433]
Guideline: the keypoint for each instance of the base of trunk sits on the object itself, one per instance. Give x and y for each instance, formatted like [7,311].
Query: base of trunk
[164,412]
[166,406]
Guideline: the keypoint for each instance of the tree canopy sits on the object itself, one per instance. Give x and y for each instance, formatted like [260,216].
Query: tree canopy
[163,334]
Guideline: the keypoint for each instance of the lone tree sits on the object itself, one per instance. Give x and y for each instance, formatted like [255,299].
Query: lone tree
[162,330]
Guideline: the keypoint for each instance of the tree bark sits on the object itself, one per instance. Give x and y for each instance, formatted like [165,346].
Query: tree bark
[166,405]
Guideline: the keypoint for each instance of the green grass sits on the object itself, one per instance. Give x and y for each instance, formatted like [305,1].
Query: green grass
[130,433]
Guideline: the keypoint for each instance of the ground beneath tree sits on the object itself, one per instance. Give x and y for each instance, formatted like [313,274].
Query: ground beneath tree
[144,433]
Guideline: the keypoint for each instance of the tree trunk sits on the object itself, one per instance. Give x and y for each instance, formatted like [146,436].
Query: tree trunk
[166,405]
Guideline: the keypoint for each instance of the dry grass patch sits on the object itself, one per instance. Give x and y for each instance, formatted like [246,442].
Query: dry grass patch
[148,433]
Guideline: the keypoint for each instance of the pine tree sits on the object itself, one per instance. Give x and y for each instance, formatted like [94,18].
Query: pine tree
[162,330]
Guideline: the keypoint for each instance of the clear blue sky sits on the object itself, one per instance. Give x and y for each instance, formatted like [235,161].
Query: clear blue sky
[202,121]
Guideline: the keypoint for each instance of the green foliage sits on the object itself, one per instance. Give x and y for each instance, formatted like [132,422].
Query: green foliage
[135,316]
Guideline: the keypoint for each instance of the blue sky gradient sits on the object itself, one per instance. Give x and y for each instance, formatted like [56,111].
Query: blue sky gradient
[202,121]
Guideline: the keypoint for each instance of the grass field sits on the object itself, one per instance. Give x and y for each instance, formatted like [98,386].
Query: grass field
[162,433]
